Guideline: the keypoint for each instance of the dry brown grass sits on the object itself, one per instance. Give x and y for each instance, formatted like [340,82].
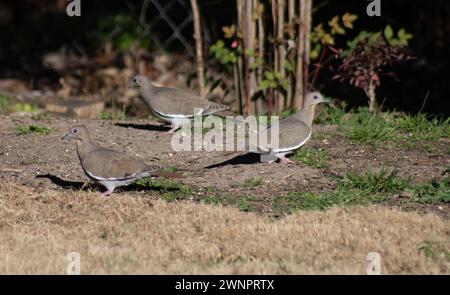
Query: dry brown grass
[128,234]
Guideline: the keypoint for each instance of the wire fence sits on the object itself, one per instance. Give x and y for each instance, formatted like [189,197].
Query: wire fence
[175,16]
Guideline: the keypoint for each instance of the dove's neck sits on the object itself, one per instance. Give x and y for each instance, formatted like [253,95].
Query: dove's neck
[306,114]
[84,147]
[147,92]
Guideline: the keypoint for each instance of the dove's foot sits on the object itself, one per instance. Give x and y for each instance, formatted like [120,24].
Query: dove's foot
[172,131]
[286,161]
[107,193]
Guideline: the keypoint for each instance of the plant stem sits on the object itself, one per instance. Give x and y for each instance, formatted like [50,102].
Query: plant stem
[198,47]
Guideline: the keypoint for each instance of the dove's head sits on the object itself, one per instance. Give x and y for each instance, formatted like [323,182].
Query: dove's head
[139,81]
[79,133]
[314,98]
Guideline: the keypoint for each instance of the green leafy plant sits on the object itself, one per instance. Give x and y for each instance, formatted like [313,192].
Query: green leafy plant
[274,80]
[322,37]
[124,31]
[222,54]
[436,191]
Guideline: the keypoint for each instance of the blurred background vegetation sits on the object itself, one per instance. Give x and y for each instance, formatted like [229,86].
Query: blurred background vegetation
[94,55]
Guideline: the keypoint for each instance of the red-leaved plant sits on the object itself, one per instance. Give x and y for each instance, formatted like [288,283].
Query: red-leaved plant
[364,65]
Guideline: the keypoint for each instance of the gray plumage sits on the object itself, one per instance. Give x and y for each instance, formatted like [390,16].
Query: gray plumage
[107,167]
[294,131]
[174,105]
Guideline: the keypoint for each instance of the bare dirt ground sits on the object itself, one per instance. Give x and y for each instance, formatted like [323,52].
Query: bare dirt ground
[44,213]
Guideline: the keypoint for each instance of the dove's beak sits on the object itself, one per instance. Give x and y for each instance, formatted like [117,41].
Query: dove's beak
[67,136]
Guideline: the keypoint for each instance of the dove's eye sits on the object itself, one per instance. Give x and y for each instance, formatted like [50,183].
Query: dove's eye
[75,131]
[135,80]
[315,97]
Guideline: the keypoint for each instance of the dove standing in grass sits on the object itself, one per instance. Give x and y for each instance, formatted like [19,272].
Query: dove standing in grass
[174,105]
[294,131]
[107,167]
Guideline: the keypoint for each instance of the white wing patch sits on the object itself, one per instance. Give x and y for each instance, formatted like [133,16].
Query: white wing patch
[110,178]
[288,149]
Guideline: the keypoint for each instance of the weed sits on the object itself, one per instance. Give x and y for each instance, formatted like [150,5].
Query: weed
[29,129]
[170,190]
[217,199]
[353,189]
[312,201]
[332,115]
[113,116]
[5,102]
[312,157]
[252,182]
[371,182]
[7,105]
[433,192]
[420,128]
[368,128]
[244,203]
[171,169]
[435,250]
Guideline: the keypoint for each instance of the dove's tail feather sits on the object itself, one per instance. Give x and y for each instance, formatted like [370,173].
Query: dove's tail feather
[214,108]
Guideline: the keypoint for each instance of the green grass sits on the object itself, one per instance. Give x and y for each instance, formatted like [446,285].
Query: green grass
[217,199]
[32,129]
[365,188]
[407,131]
[7,105]
[420,128]
[435,250]
[170,190]
[312,157]
[113,116]
[245,203]
[171,169]
[367,128]
[5,102]
[332,115]
[252,182]
[371,182]
[312,201]
[353,189]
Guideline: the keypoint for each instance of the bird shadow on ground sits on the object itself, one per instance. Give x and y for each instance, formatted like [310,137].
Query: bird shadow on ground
[246,159]
[149,127]
[85,186]
[73,185]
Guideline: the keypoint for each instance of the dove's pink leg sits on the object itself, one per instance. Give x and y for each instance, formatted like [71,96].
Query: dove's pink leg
[107,193]
[172,131]
[284,160]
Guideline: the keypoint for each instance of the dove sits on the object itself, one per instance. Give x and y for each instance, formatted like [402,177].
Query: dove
[107,167]
[294,131]
[172,105]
